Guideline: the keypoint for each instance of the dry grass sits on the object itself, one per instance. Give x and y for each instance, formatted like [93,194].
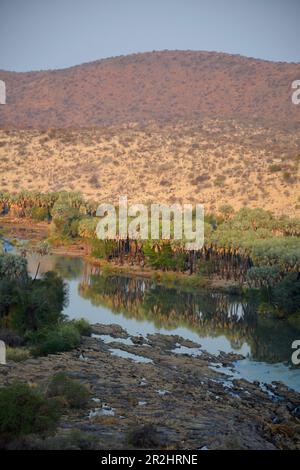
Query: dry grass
[213,162]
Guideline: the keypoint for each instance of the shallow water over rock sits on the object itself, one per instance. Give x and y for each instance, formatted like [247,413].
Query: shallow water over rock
[215,321]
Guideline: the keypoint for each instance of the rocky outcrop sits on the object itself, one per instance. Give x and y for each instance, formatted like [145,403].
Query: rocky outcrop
[187,403]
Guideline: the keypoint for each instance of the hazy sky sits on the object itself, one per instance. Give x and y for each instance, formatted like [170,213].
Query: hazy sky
[43,34]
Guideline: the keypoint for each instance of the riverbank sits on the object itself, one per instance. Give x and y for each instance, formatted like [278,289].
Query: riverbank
[35,232]
[24,229]
[177,388]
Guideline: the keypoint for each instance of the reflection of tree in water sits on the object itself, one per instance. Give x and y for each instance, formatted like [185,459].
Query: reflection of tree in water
[208,314]
[272,340]
[67,268]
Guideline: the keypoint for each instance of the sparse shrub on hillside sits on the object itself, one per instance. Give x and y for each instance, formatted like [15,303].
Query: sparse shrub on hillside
[94,181]
[74,393]
[72,440]
[274,168]
[220,181]
[25,411]
[52,340]
[287,177]
[201,179]
[144,437]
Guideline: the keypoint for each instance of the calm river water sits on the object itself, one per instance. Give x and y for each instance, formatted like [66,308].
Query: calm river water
[214,320]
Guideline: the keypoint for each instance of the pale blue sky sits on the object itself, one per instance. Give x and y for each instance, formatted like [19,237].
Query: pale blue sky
[43,34]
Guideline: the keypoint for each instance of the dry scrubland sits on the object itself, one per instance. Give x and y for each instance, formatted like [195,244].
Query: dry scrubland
[210,127]
[160,86]
[209,161]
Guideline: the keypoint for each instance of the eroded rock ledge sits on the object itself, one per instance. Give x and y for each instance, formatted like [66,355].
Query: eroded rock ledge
[191,405]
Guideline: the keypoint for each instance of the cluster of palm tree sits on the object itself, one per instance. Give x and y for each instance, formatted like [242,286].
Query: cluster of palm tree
[18,203]
[234,241]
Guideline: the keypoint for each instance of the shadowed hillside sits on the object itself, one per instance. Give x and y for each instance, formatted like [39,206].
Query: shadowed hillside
[160,86]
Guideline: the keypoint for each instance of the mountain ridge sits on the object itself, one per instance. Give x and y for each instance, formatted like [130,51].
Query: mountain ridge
[163,51]
[162,86]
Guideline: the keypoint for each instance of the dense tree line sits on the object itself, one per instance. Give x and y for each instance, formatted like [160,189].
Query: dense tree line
[251,246]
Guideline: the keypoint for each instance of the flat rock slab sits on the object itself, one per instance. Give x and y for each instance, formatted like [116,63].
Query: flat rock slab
[188,404]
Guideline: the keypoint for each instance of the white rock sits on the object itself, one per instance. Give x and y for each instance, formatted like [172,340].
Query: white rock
[96,400]
[163,392]
[143,382]
[105,410]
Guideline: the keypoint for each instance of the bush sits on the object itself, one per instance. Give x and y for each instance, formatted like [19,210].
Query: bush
[286,294]
[38,214]
[145,437]
[25,411]
[263,276]
[10,337]
[94,181]
[83,326]
[220,181]
[227,211]
[74,394]
[163,257]
[274,168]
[294,320]
[27,305]
[103,248]
[66,215]
[17,354]
[50,341]
[13,267]
[73,440]
[287,176]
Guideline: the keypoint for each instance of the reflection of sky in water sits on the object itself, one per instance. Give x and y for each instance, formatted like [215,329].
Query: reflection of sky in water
[79,307]
[260,371]
[128,355]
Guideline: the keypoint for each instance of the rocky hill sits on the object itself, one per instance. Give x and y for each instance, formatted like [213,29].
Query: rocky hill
[160,86]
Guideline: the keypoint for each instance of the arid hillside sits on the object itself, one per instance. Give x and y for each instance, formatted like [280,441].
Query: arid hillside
[209,161]
[160,86]
[162,126]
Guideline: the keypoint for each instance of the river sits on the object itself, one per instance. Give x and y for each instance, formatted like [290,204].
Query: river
[214,320]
